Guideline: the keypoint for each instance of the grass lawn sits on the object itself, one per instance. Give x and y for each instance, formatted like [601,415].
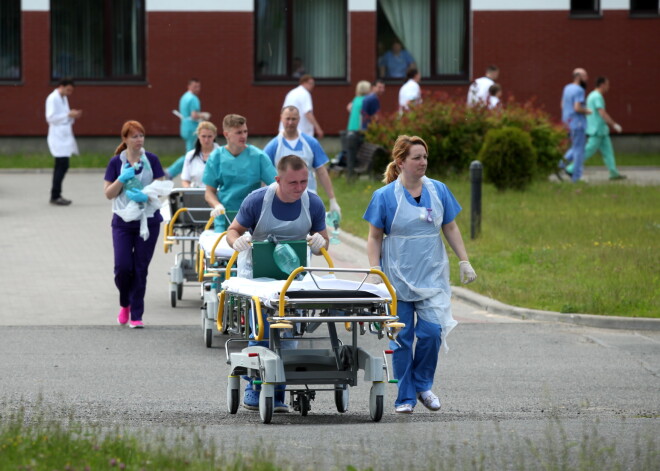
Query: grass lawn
[561,247]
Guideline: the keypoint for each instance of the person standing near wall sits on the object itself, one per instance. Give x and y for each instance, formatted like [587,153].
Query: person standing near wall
[598,129]
[190,111]
[61,142]
[371,102]
[410,92]
[478,91]
[301,98]
[573,115]
[407,219]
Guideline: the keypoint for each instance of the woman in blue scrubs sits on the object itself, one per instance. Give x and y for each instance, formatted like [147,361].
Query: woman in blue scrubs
[406,218]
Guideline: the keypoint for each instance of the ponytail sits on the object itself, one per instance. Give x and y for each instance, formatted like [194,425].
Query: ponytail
[120,148]
[391,172]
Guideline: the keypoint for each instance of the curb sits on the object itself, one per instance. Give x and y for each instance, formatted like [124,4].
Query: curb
[497,307]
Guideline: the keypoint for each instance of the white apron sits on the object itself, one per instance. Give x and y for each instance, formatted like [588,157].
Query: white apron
[415,260]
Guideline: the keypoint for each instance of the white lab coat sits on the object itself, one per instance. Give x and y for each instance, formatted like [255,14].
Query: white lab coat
[61,142]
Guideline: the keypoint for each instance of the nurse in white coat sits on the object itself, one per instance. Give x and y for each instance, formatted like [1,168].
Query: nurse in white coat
[407,219]
[61,142]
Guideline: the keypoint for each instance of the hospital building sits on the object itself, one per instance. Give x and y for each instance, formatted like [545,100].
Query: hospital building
[131,59]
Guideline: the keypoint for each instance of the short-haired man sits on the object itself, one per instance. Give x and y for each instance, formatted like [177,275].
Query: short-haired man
[410,92]
[190,111]
[598,129]
[234,170]
[292,142]
[396,62]
[478,91]
[301,98]
[573,114]
[61,142]
[371,102]
[287,211]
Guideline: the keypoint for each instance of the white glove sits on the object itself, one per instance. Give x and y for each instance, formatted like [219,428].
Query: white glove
[334,206]
[218,210]
[617,128]
[468,275]
[243,242]
[375,279]
[316,242]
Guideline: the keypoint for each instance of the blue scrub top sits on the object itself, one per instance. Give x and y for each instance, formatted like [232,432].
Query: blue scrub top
[236,176]
[382,206]
[188,103]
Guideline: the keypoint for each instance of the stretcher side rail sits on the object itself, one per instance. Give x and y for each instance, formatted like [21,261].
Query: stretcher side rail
[321,319]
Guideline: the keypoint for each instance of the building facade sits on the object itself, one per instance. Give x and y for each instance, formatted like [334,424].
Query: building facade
[132,59]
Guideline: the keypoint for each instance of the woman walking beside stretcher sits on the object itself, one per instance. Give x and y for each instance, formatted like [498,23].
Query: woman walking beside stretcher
[127,174]
[405,220]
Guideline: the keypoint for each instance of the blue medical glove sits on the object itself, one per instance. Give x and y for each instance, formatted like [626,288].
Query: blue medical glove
[127,172]
[136,195]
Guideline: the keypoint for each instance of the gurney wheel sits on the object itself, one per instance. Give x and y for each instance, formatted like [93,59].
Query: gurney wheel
[266,403]
[179,291]
[304,405]
[341,399]
[376,401]
[232,395]
[208,337]
[173,298]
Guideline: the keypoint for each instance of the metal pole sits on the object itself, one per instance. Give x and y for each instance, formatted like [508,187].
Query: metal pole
[476,171]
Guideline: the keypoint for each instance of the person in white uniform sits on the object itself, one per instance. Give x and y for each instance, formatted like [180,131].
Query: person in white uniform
[293,142]
[406,219]
[61,142]
[478,93]
[301,98]
[410,92]
[195,161]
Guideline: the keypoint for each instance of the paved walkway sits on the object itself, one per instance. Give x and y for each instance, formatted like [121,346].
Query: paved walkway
[57,261]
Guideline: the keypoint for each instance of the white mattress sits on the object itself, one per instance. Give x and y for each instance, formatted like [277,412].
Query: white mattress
[208,238]
[268,288]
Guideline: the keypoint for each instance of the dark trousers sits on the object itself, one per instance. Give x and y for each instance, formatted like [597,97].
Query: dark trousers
[61,167]
[132,258]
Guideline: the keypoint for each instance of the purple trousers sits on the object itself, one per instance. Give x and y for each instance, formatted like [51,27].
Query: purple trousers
[132,258]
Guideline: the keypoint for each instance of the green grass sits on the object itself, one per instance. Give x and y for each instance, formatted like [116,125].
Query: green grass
[35,441]
[560,247]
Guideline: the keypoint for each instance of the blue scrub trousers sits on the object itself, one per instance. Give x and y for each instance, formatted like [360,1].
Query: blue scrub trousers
[132,258]
[576,153]
[414,369]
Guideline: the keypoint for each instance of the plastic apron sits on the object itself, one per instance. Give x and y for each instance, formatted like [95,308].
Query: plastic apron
[305,153]
[270,225]
[415,260]
[143,178]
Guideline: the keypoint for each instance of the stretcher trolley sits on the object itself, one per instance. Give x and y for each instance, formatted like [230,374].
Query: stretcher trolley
[295,308]
[213,257]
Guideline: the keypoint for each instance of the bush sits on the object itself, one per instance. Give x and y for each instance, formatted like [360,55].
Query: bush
[455,132]
[508,157]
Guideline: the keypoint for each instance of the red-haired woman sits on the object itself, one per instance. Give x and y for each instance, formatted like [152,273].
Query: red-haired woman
[130,170]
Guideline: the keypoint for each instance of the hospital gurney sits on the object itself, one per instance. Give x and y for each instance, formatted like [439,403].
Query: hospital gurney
[299,308]
[189,215]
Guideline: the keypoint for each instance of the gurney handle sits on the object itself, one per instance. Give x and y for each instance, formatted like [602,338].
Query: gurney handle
[215,245]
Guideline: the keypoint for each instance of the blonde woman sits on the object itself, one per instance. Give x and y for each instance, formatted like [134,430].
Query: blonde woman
[412,211]
[195,161]
[355,107]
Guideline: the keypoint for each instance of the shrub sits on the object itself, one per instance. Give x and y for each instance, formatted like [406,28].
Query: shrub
[508,157]
[455,132]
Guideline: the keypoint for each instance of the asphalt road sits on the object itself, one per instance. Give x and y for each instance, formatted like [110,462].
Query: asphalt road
[503,381]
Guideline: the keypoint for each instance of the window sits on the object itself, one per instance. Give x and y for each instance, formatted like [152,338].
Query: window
[97,39]
[10,40]
[433,32]
[296,37]
[585,7]
[644,7]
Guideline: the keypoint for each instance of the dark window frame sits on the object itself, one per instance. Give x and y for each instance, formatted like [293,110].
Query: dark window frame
[644,12]
[108,27]
[433,30]
[19,42]
[289,78]
[595,12]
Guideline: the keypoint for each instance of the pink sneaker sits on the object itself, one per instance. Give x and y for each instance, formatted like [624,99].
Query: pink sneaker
[122,317]
[136,325]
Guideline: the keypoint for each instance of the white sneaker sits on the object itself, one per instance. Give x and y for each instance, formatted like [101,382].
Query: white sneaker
[404,409]
[430,400]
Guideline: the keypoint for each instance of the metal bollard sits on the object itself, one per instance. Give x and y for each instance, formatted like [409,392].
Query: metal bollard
[476,170]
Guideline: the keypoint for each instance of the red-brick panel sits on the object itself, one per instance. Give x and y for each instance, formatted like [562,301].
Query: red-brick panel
[536,52]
